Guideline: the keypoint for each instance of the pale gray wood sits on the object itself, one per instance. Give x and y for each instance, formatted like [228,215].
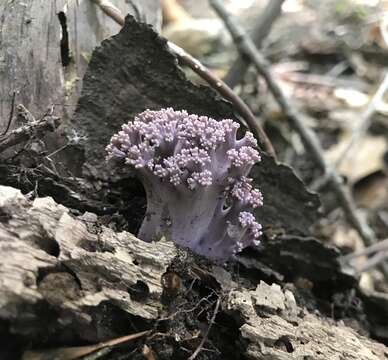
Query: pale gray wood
[73,266]
[94,277]
[30,54]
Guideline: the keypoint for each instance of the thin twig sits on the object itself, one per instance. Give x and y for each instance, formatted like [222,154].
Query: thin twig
[81,351]
[259,33]
[322,80]
[112,11]
[365,121]
[380,246]
[216,83]
[228,94]
[10,114]
[26,132]
[309,138]
[374,261]
[380,251]
[205,337]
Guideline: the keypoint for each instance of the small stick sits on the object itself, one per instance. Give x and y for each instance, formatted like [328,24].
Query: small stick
[199,348]
[309,138]
[259,33]
[228,94]
[375,260]
[321,80]
[112,11]
[380,246]
[365,122]
[80,351]
[27,131]
[216,83]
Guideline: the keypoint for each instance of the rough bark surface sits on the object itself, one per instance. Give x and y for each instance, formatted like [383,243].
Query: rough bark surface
[50,258]
[287,331]
[45,47]
[68,279]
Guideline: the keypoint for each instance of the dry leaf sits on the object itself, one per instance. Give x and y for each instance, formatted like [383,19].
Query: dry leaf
[372,191]
[351,97]
[363,159]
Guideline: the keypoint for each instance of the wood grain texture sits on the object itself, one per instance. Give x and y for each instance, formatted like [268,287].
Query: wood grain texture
[73,266]
[67,279]
[30,49]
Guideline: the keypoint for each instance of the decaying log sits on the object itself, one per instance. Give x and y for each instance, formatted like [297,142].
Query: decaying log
[66,279]
[28,131]
[51,258]
[277,328]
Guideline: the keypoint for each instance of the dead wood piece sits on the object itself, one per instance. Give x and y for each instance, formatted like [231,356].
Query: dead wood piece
[46,46]
[376,304]
[259,33]
[51,259]
[286,331]
[377,252]
[29,131]
[72,353]
[300,257]
[10,114]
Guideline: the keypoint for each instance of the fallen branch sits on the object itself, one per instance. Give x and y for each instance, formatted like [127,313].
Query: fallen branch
[259,33]
[35,128]
[109,9]
[380,251]
[380,246]
[228,94]
[321,80]
[216,83]
[365,121]
[310,140]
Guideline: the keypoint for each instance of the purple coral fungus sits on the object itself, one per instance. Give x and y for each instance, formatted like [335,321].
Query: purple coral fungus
[195,173]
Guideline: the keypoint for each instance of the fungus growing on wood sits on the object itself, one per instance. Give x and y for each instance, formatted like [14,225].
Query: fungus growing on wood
[195,174]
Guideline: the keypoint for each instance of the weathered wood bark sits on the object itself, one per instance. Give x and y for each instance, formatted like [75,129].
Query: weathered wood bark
[45,47]
[68,279]
[55,271]
[277,328]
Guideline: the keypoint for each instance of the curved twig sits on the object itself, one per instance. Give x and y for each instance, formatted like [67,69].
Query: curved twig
[216,83]
[227,93]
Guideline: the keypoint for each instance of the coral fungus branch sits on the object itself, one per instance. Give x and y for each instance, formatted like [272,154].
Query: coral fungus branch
[195,174]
